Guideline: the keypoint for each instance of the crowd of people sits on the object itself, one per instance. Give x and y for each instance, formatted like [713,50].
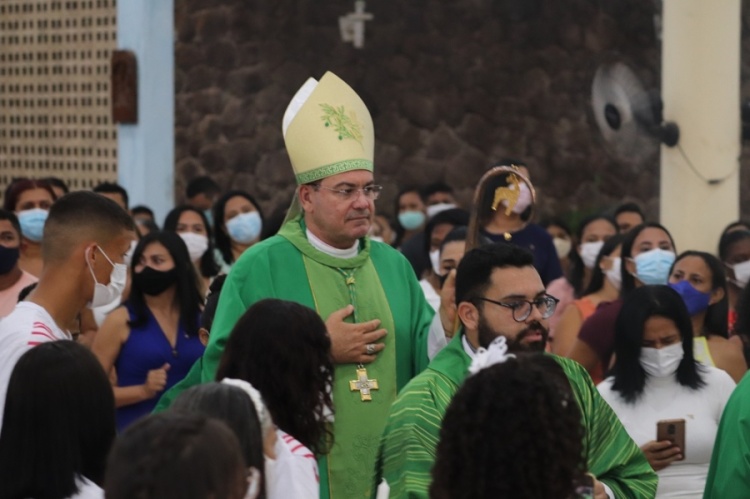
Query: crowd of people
[450,351]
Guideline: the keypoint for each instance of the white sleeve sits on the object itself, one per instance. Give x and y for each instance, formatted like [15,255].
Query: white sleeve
[290,475]
[436,340]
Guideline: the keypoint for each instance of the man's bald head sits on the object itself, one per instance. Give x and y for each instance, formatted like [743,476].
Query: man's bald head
[80,217]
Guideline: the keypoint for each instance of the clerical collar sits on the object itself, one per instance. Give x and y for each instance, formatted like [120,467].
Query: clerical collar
[470,351]
[319,245]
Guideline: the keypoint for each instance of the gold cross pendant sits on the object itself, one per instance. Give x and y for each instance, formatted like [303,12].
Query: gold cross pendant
[363,385]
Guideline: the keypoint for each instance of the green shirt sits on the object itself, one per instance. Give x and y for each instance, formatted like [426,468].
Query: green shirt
[412,431]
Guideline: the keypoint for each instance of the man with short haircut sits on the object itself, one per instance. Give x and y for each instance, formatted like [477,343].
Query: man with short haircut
[12,278]
[85,240]
[115,192]
[201,192]
[438,194]
[500,293]
[627,216]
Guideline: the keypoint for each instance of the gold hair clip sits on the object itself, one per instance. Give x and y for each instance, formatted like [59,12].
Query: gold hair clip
[505,193]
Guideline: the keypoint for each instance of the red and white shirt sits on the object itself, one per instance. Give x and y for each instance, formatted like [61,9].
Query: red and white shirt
[27,326]
[294,472]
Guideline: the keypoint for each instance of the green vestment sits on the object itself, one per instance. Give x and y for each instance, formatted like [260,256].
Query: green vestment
[412,431]
[380,283]
[729,473]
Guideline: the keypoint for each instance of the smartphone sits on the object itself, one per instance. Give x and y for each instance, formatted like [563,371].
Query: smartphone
[674,431]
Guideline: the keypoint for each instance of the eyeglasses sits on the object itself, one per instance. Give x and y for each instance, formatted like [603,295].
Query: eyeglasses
[371,192]
[521,309]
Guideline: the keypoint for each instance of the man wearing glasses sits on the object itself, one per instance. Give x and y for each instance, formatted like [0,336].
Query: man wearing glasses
[499,293]
[378,320]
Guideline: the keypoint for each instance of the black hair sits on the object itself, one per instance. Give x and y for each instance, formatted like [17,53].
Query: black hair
[742,325]
[201,185]
[221,238]
[142,210]
[597,275]
[717,315]
[434,187]
[208,265]
[112,188]
[458,233]
[474,273]
[486,449]
[12,218]
[78,210]
[628,280]
[26,291]
[559,222]
[57,182]
[282,348]
[187,294]
[730,239]
[212,301]
[736,225]
[577,269]
[176,456]
[639,306]
[455,217]
[58,423]
[630,208]
[234,407]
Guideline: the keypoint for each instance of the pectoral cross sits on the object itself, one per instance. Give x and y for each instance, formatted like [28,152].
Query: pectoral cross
[363,385]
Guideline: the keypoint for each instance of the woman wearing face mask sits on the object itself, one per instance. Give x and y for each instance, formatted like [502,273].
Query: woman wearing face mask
[411,218]
[562,238]
[193,227]
[647,255]
[239,224]
[734,252]
[699,279]
[502,216]
[656,378]
[603,288]
[30,200]
[152,340]
[435,231]
[590,236]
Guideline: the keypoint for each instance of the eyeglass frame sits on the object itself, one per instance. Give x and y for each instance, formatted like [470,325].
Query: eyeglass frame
[348,193]
[551,300]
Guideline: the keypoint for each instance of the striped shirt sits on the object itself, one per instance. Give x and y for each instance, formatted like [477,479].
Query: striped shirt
[27,326]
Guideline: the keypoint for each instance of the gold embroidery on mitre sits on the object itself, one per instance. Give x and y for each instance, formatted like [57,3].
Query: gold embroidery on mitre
[346,125]
[505,193]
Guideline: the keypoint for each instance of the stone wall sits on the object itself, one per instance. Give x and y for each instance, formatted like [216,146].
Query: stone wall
[452,87]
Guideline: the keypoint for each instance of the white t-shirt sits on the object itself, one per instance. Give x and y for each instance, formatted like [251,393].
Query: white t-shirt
[87,490]
[27,326]
[432,297]
[294,472]
[665,398]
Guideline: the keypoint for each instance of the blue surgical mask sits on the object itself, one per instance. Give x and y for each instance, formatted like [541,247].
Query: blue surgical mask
[245,227]
[695,301]
[652,267]
[32,223]
[411,220]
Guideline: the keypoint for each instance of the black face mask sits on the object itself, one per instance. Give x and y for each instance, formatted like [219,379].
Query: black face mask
[154,282]
[8,259]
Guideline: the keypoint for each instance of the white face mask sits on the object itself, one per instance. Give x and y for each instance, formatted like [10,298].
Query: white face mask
[112,292]
[562,246]
[524,198]
[197,244]
[614,273]
[589,252]
[434,209]
[741,273]
[661,362]
[435,260]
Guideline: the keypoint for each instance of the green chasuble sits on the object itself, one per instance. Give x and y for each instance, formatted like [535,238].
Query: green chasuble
[729,473]
[380,283]
[412,432]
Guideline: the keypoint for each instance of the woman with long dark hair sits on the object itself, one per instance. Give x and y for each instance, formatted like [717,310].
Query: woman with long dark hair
[647,255]
[193,227]
[58,425]
[282,349]
[238,223]
[699,279]
[656,378]
[526,443]
[152,340]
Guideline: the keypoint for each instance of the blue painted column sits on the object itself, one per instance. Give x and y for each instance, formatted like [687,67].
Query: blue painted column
[145,151]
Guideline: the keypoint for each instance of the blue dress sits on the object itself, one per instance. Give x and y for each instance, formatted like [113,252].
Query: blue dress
[147,348]
[537,240]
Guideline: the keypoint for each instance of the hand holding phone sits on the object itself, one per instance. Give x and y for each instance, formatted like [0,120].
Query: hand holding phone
[672,430]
